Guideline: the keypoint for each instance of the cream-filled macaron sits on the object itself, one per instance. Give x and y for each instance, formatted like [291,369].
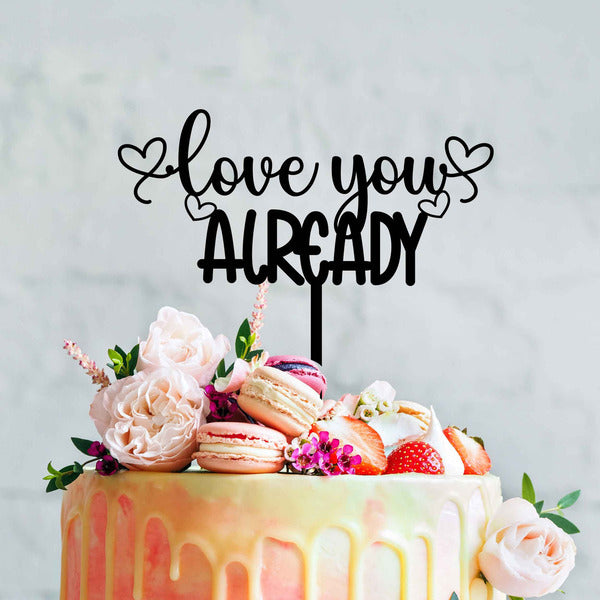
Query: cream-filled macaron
[231,447]
[279,400]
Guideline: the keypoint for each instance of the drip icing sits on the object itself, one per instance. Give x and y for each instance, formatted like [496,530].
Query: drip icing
[229,518]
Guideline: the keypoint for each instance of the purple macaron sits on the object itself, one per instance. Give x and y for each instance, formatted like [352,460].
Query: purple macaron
[305,370]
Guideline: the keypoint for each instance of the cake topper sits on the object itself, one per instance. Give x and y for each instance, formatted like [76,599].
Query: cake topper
[298,257]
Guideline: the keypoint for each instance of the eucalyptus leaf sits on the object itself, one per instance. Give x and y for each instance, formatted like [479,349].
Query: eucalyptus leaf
[569,499]
[561,522]
[528,491]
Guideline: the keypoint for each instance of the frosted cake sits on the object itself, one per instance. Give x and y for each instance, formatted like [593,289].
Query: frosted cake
[292,495]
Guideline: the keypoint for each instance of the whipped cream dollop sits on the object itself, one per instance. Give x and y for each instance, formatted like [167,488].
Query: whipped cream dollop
[453,464]
[395,427]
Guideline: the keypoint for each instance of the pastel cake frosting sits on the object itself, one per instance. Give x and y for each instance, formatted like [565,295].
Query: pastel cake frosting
[242,482]
[209,536]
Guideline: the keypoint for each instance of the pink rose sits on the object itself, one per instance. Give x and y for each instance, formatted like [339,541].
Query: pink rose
[149,421]
[178,340]
[525,555]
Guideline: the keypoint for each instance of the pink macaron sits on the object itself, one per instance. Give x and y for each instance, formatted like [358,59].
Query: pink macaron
[279,400]
[307,371]
[228,447]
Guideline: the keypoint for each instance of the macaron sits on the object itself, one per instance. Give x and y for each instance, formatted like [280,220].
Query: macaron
[307,371]
[228,447]
[279,400]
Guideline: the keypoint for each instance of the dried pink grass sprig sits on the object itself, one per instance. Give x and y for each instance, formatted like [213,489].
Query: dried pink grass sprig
[98,376]
[258,313]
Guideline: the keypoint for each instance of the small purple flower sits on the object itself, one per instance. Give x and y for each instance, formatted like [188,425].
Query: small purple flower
[107,465]
[304,457]
[347,461]
[324,445]
[97,449]
[328,464]
[222,406]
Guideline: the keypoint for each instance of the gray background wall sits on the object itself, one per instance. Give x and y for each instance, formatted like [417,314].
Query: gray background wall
[500,332]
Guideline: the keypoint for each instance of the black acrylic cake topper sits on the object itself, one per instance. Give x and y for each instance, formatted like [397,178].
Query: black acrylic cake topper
[428,182]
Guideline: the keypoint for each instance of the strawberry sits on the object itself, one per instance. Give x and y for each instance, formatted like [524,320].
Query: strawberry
[415,457]
[363,439]
[472,452]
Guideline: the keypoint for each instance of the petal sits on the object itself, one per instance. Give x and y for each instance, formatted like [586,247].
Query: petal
[233,382]
[515,510]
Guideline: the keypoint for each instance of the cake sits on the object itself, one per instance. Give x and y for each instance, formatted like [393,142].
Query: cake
[375,501]
[212,536]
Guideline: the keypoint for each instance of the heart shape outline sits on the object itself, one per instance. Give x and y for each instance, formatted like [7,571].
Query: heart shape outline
[143,152]
[200,205]
[467,152]
[434,209]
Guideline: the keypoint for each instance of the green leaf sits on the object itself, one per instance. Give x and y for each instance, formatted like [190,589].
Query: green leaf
[69,478]
[115,356]
[515,598]
[561,522]
[48,477]
[253,353]
[242,335]
[528,491]
[538,506]
[221,368]
[454,596]
[77,468]
[569,499]
[121,351]
[51,469]
[81,444]
[132,365]
[51,487]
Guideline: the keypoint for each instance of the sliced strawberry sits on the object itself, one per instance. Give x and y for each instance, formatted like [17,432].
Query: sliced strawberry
[472,453]
[415,457]
[363,438]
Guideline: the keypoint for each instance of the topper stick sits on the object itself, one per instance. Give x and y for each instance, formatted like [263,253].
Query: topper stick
[316,322]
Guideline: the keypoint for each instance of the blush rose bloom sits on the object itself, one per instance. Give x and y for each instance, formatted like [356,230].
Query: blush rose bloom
[525,555]
[178,340]
[149,421]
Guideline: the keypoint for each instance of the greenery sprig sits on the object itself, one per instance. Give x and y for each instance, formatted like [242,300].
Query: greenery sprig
[244,341]
[555,514]
[105,465]
[123,363]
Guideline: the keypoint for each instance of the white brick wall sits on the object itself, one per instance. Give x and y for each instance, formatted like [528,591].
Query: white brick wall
[501,330]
